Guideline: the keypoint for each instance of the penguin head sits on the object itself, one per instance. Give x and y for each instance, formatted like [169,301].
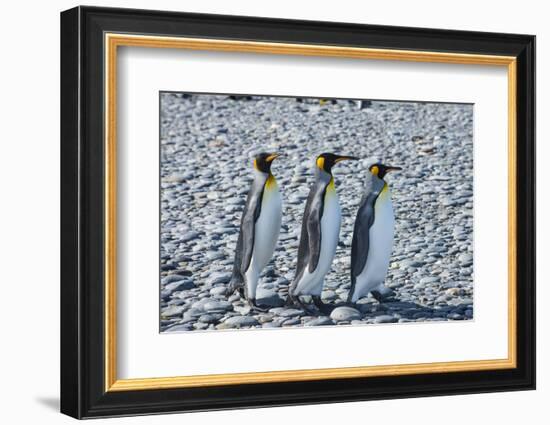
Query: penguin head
[262,161]
[326,161]
[380,170]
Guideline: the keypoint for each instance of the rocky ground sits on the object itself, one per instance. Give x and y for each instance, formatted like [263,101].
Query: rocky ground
[206,145]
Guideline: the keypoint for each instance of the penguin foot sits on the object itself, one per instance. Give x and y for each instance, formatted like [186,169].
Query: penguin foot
[256,307]
[295,301]
[311,309]
[321,306]
[383,297]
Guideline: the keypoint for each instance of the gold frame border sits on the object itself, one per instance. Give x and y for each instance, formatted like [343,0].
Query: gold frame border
[113,41]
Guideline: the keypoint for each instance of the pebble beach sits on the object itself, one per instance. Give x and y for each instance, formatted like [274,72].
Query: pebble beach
[207,145]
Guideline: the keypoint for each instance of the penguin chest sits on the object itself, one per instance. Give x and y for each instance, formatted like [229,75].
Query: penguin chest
[381,236]
[267,227]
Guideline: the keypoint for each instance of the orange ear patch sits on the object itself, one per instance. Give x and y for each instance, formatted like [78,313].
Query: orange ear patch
[321,163]
[375,170]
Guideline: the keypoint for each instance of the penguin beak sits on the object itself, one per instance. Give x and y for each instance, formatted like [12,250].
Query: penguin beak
[390,168]
[344,158]
[271,157]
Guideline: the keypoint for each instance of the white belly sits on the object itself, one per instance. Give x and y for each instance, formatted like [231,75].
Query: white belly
[380,248]
[312,283]
[266,233]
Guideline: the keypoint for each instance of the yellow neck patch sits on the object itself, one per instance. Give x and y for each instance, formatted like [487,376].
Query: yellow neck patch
[375,170]
[331,187]
[270,182]
[384,193]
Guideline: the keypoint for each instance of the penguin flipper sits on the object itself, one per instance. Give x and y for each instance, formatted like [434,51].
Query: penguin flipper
[361,234]
[315,213]
[245,243]
[309,248]
[314,239]
[248,230]
[237,279]
[303,257]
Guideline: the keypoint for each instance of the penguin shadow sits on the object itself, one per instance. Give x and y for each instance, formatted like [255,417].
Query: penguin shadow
[390,304]
[390,307]
[395,308]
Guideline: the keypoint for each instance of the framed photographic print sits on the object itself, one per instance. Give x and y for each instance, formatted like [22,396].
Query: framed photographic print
[261,212]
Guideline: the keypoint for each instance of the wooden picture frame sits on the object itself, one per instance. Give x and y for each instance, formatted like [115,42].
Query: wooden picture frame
[90,38]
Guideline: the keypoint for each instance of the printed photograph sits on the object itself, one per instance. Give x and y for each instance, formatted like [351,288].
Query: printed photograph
[288,212]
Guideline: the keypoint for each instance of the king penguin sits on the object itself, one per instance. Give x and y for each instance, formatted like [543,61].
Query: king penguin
[320,231]
[259,231]
[373,232]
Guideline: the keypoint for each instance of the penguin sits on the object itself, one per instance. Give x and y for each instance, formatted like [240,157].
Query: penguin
[373,232]
[320,231]
[259,230]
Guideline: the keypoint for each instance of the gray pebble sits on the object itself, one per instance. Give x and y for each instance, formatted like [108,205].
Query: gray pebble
[172,311]
[179,285]
[238,322]
[216,278]
[218,290]
[179,328]
[428,280]
[217,306]
[385,319]
[345,314]
[320,321]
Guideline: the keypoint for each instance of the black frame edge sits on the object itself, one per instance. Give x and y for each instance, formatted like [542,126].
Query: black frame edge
[82,345]
[526,211]
[70,383]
